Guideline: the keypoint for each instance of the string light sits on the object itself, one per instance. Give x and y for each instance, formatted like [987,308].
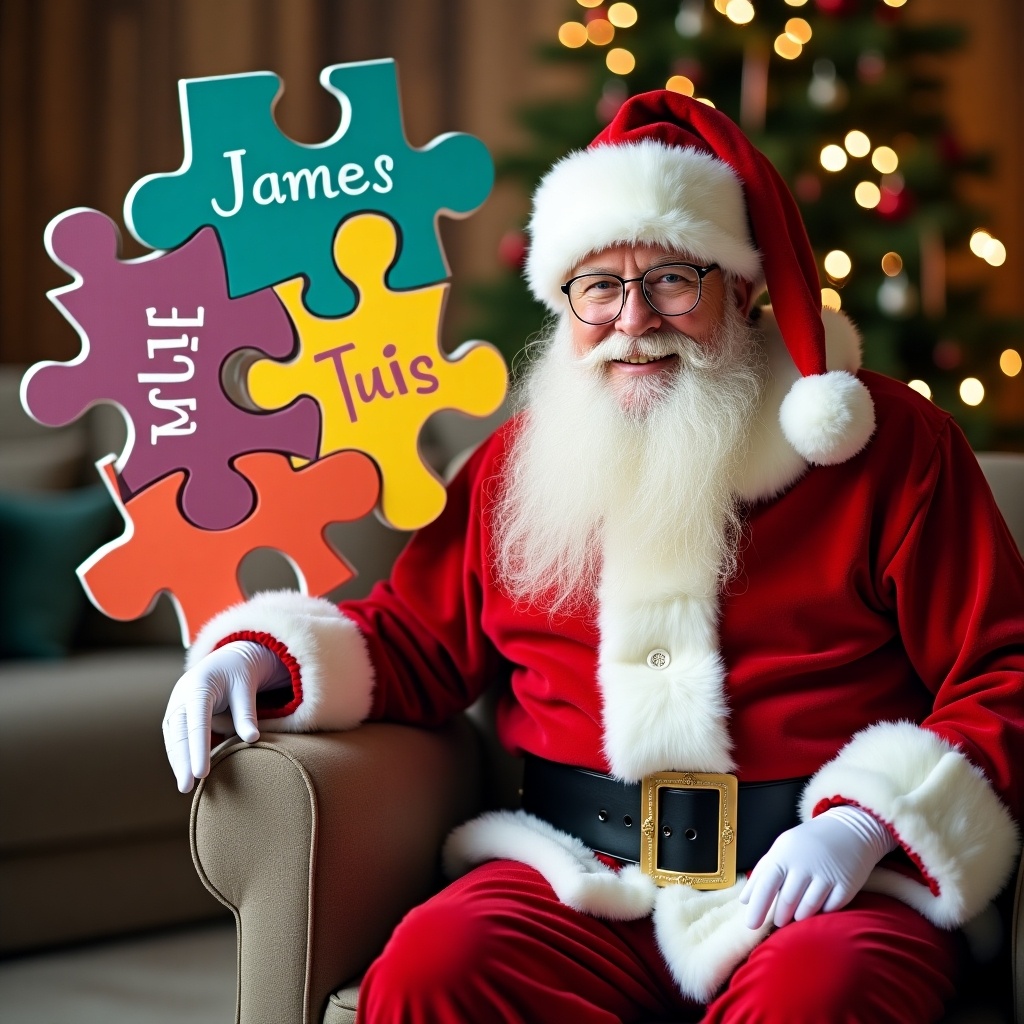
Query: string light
[1010,362]
[572,34]
[796,3]
[831,299]
[705,101]
[720,6]
[600,32]
[680,84]
[620,61]
[838,265]
[884,160]
[857,143]
[590,3]
[895,3]
[972,391]
[920,387]
[622,15]
[892,264]
[867,194]
[833,157]
[739,12]
[990,249]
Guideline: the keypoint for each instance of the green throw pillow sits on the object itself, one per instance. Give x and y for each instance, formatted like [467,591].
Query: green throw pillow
[44,537]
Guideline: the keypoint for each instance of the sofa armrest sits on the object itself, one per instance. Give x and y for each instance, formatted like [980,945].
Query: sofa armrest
[319,843]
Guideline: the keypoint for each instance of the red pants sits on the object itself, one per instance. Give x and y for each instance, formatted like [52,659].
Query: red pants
[497,946]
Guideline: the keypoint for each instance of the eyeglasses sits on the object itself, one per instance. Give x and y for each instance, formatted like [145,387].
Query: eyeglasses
[672,289]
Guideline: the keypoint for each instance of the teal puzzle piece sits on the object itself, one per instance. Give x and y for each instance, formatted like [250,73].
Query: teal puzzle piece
[277,204]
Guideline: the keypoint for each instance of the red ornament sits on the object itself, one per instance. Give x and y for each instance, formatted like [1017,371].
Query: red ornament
[512,249]
[613,96]
[689,67]
[948,354]
[871,67]
[593,14]
[888,15]
[807,187]
[837,8]
[894,205]
[950,150]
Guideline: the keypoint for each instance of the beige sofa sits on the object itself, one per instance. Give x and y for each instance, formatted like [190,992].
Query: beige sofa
[320,843]
[93,833]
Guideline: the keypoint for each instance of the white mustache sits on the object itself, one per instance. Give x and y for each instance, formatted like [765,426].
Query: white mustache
[618,347]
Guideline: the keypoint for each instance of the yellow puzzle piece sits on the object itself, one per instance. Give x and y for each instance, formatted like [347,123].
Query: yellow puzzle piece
[379,372]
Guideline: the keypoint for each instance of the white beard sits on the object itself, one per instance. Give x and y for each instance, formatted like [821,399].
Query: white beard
[651,464]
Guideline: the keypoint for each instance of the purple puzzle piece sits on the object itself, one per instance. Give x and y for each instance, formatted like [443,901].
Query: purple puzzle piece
[156,332]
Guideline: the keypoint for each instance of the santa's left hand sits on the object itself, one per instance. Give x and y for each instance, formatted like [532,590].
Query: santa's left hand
[819,865]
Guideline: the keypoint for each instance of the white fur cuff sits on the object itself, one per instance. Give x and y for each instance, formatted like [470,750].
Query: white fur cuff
[578,878]
[941,808]
[334,678]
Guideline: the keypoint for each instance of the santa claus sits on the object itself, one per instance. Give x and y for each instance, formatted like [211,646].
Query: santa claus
[757,618]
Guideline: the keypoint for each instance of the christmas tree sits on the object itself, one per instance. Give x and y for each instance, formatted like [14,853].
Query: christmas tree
[846,99]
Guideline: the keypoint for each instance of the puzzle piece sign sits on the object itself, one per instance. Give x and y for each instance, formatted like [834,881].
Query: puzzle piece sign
[319,265]
[276,203]
[162,552]
[156,333]
[379,374]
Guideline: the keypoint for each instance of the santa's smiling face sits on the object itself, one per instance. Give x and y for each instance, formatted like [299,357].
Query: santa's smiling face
[636,351]
[638,425]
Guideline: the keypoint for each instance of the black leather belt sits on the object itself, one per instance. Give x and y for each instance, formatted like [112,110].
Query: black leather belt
[609,816]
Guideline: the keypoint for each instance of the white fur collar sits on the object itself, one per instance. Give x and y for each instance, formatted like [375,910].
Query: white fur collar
[660,671]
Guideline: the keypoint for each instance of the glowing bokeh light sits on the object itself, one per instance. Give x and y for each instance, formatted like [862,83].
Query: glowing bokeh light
[884,160]
[622,15]
[787,47]
[838,264]
[620,61]
[892,264]
[739,12]
[572,34]
[857,143]
[972,391]
[1010,362]
[680,84]
[831,299]
[798,29]
[833,157]
[867,194]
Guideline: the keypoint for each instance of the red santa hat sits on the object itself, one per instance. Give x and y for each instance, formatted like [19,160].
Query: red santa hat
[671,171]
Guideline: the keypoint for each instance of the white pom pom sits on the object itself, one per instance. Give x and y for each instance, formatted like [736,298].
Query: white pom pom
[828,417]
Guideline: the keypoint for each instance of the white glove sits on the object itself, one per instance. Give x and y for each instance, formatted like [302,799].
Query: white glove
[229,677]
[819,865]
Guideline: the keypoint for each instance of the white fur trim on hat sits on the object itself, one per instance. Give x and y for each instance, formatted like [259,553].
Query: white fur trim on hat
[637,193]
[940,807]
[335,676]
[829,417]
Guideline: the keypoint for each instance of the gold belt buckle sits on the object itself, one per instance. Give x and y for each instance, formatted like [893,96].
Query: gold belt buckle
[724,875]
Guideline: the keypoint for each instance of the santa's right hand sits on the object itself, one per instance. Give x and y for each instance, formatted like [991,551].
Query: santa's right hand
[226,679]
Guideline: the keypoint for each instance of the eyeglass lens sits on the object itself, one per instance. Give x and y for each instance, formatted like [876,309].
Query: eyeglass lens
[672,290]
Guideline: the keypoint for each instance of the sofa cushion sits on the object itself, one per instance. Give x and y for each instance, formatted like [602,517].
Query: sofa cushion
[43,539]
[85,730]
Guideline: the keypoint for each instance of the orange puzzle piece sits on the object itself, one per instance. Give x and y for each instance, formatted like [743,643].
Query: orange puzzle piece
[161,551]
